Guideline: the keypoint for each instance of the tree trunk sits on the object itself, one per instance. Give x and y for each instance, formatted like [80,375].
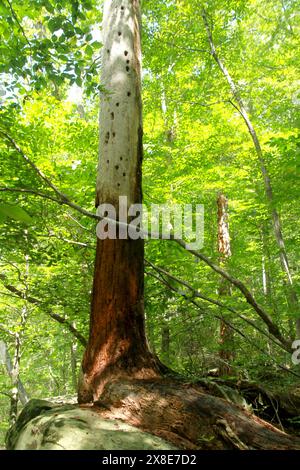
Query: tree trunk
[291,292]
[73,354]
[117,343]
[6,360]
[165,343]
[226,334]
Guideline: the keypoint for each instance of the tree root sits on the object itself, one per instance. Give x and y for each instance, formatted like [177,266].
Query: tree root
[190,418]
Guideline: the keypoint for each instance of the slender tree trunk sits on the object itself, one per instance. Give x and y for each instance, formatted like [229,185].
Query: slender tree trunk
[165,342]
[226,334]
[291,293]
[169,124]
[73,353]
[6,360]
[15,370]
[117,345]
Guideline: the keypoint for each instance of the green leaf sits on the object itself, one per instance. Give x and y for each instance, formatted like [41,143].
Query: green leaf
[16,213]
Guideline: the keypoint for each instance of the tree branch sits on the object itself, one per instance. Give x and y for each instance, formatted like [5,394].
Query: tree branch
[232,327]
[63,198]
[197,294]
[18,22]
[273,329]
[31,191]
[38,303]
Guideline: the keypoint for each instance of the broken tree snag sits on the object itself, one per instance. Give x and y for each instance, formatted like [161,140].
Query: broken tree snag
[120,116]
[226,334]
[117,345]
[189,418]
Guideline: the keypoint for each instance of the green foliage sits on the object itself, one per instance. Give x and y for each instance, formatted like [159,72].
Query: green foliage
[196,144]
[48,44]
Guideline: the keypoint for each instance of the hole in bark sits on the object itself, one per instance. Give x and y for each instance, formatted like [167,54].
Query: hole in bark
[106,137]
[121,158]
[119,185]
[127,68]
[112,116]
[122,8]
[125,53]
[107,161]
[117,167]
[114,134]
[108,51]
[124,174]
[129,93]
[119,33]
[117,104]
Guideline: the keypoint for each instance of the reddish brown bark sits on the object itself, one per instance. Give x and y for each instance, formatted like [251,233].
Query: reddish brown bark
[187,416]
[117,344]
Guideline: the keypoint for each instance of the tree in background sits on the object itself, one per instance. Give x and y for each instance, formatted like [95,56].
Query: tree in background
[226,333]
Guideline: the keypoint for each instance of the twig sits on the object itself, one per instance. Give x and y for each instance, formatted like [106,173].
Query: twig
[37,302]
[197,294]
[232,327]
[18,22]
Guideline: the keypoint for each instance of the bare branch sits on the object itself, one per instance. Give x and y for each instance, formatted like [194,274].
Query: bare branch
[63,198]
[18,22]
[232,327]
[272,327]
[197,294]
[31,191]
[37,302]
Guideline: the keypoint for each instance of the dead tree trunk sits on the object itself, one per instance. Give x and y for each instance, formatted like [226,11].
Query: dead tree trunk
[117,343]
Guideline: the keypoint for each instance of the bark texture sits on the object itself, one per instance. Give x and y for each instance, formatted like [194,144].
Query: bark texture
[188,417]
[117,345]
